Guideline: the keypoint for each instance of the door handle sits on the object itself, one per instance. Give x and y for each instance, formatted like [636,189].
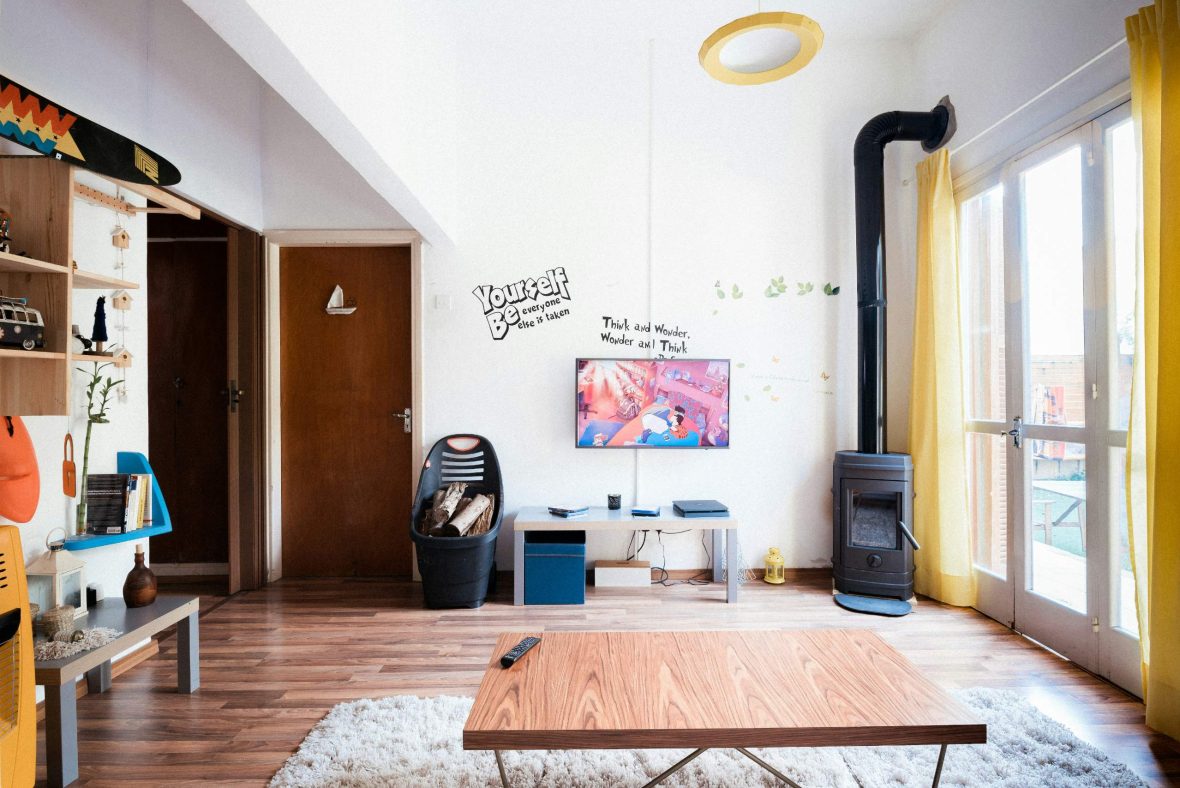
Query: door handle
[1016,433]
[233,395]
[406,416]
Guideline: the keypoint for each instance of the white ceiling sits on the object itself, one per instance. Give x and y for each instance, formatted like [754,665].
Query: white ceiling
[863,20]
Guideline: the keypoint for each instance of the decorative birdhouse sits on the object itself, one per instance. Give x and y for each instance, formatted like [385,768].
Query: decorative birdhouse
[120,238]
[56,578]
[121,300]
[122,358]
[774,567]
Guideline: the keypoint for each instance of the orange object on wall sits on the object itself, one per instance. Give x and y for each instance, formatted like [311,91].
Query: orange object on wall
[20,483]
[18,701]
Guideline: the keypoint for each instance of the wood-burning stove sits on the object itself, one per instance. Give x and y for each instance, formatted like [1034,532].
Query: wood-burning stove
[873,491]
[873,510]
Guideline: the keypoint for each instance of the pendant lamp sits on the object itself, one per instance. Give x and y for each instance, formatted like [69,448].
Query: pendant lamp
[761,48]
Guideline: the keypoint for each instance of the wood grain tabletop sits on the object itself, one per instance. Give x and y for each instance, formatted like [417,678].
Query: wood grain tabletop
[806,688]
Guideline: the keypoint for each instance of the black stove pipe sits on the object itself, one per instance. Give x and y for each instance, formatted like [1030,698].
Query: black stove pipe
[934,129]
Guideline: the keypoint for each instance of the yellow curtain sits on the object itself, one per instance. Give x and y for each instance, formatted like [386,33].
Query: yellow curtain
[1153,437]
[937,441]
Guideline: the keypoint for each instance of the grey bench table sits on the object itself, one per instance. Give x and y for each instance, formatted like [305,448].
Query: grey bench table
[136,624]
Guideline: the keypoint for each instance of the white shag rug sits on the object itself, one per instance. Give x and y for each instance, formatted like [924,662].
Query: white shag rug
[409,741]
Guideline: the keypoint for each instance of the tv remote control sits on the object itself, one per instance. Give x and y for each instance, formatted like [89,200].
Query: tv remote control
[518,651]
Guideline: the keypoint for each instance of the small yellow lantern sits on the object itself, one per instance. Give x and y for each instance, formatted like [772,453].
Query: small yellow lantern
[774,567]
[56,577]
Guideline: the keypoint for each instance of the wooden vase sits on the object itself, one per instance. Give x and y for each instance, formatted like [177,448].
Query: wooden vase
[139,590]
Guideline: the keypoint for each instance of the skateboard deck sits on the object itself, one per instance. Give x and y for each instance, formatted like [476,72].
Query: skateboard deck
[39,124]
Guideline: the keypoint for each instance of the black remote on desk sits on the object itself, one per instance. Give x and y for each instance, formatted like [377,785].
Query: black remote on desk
[518,651]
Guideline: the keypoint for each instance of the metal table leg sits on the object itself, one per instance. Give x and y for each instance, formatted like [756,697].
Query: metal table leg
[938,768]
[768,767]
[503,774]
[680,764]
[717,569]
[518,567]
[188,654]
[732,563]
[61,734]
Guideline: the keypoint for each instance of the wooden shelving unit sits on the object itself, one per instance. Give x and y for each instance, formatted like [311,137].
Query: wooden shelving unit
[39,193]
[37,382]
[85,280]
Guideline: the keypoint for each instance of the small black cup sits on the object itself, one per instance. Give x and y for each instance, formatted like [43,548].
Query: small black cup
[614,501]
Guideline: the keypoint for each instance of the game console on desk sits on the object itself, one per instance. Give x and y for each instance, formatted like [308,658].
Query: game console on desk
[700,508]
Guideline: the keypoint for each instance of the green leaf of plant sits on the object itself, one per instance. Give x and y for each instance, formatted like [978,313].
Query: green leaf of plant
[720,293]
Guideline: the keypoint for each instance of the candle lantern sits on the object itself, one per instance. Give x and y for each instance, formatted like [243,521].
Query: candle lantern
[56,578]
[774,566]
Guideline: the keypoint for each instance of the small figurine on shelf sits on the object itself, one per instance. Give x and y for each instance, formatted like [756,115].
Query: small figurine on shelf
[99,336]
[5,228]
[20,324]
[77,334]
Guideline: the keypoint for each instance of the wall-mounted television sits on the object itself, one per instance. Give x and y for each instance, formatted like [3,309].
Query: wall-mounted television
[627,403]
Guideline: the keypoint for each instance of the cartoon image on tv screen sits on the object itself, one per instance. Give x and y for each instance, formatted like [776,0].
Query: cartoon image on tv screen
[665,403]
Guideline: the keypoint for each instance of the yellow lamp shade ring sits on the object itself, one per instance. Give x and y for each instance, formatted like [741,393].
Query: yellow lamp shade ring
[761,48]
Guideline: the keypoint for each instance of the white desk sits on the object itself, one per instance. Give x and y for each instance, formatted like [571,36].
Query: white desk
[599,518]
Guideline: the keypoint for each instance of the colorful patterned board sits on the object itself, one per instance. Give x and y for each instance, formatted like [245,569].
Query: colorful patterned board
[37,123]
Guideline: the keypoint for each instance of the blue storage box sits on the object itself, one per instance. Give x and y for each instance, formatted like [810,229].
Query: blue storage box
[555,567]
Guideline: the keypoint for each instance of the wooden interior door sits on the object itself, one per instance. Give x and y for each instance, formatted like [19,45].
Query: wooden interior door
[244,360]
[344,379]
[186,287]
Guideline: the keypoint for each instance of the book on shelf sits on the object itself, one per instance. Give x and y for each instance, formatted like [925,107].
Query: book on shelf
[117,502]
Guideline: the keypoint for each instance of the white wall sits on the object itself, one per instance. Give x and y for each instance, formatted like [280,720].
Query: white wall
[746,184]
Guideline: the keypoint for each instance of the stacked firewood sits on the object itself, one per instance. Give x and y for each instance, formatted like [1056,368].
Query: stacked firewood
[452,514]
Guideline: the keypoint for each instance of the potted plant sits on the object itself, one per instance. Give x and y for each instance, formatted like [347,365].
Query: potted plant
[98,390]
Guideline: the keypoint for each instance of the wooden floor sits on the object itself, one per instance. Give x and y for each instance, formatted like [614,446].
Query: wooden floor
[274,661]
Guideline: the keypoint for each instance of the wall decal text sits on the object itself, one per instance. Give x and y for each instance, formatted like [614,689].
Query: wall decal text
[524,304]
[663,339]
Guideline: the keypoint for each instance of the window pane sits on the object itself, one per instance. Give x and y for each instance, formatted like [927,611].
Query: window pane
[981,277]
[987,500]
[1053,254]
[1123,596]
[1057,520]
[1124,220]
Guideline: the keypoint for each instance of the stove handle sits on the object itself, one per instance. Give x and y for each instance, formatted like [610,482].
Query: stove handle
[908,535]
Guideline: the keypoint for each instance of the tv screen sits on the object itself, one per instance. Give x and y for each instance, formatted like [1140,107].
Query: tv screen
[652,403]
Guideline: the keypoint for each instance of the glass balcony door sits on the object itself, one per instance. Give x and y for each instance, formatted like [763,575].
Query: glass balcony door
[1047,283]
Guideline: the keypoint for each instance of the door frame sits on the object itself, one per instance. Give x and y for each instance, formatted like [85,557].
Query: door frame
[245,566]
[275,241]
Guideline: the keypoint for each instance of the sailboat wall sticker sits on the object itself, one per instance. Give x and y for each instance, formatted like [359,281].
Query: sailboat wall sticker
[337,305]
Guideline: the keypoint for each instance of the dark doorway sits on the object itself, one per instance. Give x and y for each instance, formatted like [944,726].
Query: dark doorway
[345,380]
[205,317]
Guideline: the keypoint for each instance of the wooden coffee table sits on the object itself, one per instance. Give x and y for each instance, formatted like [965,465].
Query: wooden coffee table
[702,690]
